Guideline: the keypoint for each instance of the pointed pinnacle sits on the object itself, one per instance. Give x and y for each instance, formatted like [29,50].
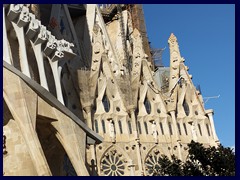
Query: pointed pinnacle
[172,38]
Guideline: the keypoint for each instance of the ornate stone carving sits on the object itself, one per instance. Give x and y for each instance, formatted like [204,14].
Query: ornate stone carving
[14,11]
[151,162]
[113,164]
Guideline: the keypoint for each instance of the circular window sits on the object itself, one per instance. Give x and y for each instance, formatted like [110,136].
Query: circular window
[196,112]
[126,147]
[113,96]
[144,148]
[100,147]
[118,109]
[153,99]
[152,163]
[112,164]
[158,111]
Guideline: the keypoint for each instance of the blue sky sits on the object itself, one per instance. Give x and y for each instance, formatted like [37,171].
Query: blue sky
[206,37]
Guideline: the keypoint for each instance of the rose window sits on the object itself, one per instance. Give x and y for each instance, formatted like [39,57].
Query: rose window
[112,164]
[151,163]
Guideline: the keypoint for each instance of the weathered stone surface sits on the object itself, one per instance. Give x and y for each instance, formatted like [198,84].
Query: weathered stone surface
[80,96]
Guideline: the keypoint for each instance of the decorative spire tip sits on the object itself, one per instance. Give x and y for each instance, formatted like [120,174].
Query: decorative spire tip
[172,38]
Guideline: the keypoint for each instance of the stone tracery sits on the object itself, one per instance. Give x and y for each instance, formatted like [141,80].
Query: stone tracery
[151,162]
[113,163]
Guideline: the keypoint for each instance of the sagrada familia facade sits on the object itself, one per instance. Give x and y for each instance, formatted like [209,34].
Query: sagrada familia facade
[82,94]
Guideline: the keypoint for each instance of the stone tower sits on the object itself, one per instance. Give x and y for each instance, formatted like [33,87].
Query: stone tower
[81,97]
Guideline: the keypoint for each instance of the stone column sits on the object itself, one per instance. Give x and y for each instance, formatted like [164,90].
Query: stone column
[88,117]
[57,50]
[54,67]
[131,110]
[34,25]
[90,16]
[18,24]
[139,156]
[172,113]
[210,113]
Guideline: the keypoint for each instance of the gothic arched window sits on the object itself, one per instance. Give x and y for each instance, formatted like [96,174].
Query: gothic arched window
[129,127]
[208,130]
[146,127]
[161,127]
[200,130]
[185,128]
[114,126]
[120,126]
[103,126]
[147,105]
[170,128]
[179,129]
[96,126]
[186,107]
[139,128]
[106,103]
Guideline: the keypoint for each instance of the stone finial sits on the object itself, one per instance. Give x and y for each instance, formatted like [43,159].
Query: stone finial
[172,39]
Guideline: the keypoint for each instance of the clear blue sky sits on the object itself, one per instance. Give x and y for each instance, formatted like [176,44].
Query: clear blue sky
[206,37]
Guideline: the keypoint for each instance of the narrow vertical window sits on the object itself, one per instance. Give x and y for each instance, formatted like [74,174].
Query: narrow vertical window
[170,128]
[208,130]
[147,106]
[186,107]
[106,103]
[185,128]
[139,128]
[103,126]
[96,126]
[146,128]
[114,127]
[179,129]
[200,130]
[120,126]
[161,127]
[129,127]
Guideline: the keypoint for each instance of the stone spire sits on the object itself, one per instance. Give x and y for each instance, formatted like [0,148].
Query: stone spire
[175,59]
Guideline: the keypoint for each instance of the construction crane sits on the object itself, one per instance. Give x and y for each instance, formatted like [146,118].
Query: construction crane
[211,97]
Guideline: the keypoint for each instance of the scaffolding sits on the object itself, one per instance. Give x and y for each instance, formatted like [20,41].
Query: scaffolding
[157,56]
[138,22]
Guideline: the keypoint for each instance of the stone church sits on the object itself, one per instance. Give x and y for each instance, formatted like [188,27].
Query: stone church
[83,94]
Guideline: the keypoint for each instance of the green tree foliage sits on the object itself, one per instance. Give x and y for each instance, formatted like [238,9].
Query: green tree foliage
[201,161]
